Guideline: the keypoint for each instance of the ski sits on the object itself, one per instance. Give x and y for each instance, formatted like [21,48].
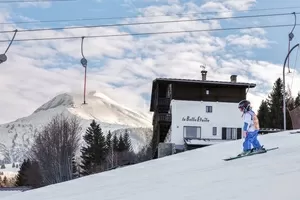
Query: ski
[250,154]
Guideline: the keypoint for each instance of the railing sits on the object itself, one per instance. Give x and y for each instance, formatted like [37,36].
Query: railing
[164,101]
[161,117]
[268,130]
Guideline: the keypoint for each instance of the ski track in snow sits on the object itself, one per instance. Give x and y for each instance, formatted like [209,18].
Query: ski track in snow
[193,175]
[16,137]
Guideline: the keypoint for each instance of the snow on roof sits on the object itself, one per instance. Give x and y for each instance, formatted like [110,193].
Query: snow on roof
[193,175]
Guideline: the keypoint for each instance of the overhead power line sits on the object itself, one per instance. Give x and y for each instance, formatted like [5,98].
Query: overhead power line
[33,1]
[151,16]
[149,33]
[144,23]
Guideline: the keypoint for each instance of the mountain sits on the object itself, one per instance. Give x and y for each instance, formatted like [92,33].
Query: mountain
[16,137]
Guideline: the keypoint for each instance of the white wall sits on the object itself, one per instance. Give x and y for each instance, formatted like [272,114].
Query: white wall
[222,115]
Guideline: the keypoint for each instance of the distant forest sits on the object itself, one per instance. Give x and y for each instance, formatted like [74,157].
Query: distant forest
[270,113]
[52,156]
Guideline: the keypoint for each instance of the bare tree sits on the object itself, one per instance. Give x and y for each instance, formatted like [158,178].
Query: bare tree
[54,147]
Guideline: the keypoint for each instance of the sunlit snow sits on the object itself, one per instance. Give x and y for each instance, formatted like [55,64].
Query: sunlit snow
[193,175]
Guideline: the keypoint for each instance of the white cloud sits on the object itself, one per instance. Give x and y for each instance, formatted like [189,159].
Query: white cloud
[158,1]
[238,5]
[124,67]
[255,31]
[40,4]
[247,41]
[219,7]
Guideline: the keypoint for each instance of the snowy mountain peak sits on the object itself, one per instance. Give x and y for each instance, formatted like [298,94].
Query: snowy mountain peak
[60,100]
[99,107]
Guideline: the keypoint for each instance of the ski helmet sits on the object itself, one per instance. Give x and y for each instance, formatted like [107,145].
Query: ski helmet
[244,105]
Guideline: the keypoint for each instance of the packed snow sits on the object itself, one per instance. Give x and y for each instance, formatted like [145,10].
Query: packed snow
[16,137]
[193,175]
[8,193]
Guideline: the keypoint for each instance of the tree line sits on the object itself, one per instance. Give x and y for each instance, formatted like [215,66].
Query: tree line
[52,157]
[270,112]
[7,181]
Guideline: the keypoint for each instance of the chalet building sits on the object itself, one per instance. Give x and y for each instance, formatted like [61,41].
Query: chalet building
[190,114]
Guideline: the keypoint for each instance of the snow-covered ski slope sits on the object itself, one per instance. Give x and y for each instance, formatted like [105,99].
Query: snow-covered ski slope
[193,175]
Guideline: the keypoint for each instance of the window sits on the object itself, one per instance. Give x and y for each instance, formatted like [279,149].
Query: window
[214,131]
[192,132]
[207,91]
[209,109]
[229,133]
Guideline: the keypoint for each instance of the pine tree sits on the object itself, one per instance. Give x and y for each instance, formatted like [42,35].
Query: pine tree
[121,145]
[263,115]
[75,173]
[129,155]
[275,101]
[270,113]
[13,165]
[115,143]
[4,181]
[94,154]
[22,179]
[109,140]
[127,141]
[34,175]
[123,149]
[3,166]
[115,147]
[110,151]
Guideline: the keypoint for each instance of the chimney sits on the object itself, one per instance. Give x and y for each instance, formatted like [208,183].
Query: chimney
[203,72]
[233,78]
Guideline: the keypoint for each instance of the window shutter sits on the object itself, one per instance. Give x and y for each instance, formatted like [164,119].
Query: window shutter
[223,133]
[239,133]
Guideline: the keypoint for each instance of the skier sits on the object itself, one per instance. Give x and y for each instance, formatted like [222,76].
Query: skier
[250,129]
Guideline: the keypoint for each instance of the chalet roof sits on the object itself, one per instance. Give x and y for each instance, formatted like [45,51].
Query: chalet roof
[204,82]
[197,82]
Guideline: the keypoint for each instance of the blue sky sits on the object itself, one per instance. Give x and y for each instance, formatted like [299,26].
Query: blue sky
[121,8]
[124,67]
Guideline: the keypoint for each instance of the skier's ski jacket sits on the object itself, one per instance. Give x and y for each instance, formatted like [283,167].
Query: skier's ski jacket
[251,122]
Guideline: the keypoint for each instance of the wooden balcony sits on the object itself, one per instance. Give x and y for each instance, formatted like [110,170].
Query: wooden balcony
[162,105]
[165,117]
[161,118]
[163,101]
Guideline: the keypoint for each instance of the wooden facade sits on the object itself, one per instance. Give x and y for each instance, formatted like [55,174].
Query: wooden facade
[166,89]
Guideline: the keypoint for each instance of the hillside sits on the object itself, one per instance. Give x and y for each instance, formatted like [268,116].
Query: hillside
[16,137]
[193,175]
